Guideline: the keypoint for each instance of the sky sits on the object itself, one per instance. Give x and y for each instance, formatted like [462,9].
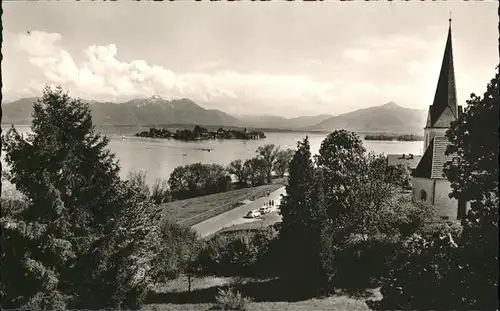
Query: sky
[274,58]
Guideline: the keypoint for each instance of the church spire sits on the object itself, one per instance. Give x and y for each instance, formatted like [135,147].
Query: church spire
[445,98]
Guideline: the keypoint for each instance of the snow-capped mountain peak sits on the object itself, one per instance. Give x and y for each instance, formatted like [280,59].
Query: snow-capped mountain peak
[155,100]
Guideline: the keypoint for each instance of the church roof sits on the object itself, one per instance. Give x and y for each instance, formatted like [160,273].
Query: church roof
[404,159]
[444,105]
[432,163]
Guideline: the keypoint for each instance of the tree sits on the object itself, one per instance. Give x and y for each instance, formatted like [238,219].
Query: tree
[341,158]
[282,161]
[179,256]
[473,173]
[459,271]
[256,170]
[80,235]
[269,154]
[138,180]
[398,175]
[160,192]
[359,192]
[237,168]
[300,210]
[198,179]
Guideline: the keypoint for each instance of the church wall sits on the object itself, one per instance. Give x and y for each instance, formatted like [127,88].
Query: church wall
[419,184]
[447,207]
[437,191]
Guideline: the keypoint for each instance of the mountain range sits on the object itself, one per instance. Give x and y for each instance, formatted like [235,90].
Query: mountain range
[157,111]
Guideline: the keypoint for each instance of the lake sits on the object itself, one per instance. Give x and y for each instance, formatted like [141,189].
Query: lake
[159,157]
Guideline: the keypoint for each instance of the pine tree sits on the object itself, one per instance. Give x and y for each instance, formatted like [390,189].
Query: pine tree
[301,212]
[84,223]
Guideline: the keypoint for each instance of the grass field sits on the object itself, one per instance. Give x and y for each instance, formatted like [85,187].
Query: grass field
[267,295]
[184,209]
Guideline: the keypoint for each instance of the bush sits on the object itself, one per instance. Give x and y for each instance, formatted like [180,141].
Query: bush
[194,180]
[243,253]
[231,299]
[180,247]
[422,277]
[363,264]
[160,192]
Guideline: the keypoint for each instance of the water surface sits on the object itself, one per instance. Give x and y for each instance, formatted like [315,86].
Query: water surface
[159,157]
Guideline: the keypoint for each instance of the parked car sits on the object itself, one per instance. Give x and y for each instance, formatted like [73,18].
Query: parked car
[253,214]
[264,210]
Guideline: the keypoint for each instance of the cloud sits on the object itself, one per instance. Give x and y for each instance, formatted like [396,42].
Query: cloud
[358,55]
[381,69]
[39,43]
[313,62]
[393,48]
[103,76]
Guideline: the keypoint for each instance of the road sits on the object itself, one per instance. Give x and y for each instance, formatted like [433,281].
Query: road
[235,216]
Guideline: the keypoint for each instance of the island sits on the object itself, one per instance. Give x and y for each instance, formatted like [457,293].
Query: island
[201,133]
[391,137]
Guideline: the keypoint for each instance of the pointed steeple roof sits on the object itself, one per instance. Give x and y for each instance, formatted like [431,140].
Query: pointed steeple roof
[445,99]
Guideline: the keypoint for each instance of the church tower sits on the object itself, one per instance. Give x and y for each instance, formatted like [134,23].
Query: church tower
[429,184]
[444,108]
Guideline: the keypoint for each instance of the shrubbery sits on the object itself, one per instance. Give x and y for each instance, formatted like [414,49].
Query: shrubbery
[181,246]
[231,299]
[456,267]
[198,179]
[244,253]
[159,192]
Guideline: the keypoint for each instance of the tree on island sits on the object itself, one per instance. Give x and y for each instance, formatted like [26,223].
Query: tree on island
[81,238]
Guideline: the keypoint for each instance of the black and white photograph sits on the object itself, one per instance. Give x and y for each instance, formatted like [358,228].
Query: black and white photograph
[249,155]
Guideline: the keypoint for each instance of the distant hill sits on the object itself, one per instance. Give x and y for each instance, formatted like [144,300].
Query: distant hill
[157,111]
[149,111]
[389,118]
[18,111]
[282,123]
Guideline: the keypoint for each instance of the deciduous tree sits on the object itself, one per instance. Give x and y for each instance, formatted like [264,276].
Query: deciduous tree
[237,168]
[198,179]
[269,154]
[282,161]
[473,173]
[256,169]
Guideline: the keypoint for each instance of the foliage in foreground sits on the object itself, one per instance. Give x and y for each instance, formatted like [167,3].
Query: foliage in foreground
[231,299]
[458,272]
[159,192]
[81,238]
[238,254]
[180,248]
